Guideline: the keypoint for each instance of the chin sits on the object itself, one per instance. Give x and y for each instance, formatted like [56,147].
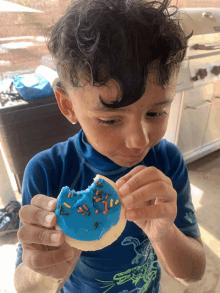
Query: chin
[128,164]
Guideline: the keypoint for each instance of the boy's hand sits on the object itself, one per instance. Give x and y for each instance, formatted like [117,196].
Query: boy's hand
[152,200]
[41,252]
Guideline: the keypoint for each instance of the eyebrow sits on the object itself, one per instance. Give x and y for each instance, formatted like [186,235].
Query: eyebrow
[100,108]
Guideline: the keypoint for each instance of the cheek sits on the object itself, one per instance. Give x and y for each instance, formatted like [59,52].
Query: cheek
[164,125]
[108,140]
[156,133]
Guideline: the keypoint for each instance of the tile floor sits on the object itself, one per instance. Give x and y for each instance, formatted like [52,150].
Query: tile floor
[205,185]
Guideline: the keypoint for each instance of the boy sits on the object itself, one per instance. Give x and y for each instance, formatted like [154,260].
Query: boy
[118,64]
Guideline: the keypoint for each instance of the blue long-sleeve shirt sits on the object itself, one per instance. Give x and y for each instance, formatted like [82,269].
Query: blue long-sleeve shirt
[129,264]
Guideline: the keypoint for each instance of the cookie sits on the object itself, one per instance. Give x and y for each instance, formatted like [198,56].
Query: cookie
[93,218]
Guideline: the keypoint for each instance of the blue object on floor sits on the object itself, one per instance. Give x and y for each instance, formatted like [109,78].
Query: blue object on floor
[9,218]
[12,206]
[9,222]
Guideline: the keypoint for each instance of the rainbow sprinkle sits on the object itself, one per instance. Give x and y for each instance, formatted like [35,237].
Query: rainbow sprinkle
[68,206]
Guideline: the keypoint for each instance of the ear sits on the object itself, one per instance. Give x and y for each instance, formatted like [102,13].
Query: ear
[64,104]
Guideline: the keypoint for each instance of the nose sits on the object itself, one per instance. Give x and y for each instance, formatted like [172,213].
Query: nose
[136,136]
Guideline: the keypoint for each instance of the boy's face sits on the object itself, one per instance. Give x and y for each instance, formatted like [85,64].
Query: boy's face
[129,132]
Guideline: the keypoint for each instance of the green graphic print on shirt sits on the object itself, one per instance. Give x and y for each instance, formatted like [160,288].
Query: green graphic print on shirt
[147,272]
[190,217]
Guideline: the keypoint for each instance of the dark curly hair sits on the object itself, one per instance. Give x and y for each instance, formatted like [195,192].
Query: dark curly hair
[123,40]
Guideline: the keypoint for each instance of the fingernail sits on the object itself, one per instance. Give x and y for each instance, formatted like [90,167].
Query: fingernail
[55,237]
[49,218]
[123,190]
[120,182]
[51,203]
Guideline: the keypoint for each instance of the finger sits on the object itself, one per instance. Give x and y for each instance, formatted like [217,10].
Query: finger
[44,202]
[157,211]
[142,178]
[28,234]
[34,215]
[125,178]
[42,259]
[158,190]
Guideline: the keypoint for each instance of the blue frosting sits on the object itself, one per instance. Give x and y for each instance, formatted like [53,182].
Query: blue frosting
[90,226]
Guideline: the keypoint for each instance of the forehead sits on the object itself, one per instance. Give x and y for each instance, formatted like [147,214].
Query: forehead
[89,96]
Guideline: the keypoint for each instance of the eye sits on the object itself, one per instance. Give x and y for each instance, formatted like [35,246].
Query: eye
[109,122]
[150,115]
[157,114]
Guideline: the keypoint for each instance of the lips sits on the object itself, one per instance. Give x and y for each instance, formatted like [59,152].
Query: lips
[132,157]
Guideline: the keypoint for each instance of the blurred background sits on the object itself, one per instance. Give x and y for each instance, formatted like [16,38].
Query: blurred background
[22,42]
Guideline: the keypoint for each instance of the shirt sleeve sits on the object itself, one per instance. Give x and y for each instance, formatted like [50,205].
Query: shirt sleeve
[186,217]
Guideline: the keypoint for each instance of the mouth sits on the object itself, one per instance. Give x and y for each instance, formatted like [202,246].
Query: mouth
[134,158]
